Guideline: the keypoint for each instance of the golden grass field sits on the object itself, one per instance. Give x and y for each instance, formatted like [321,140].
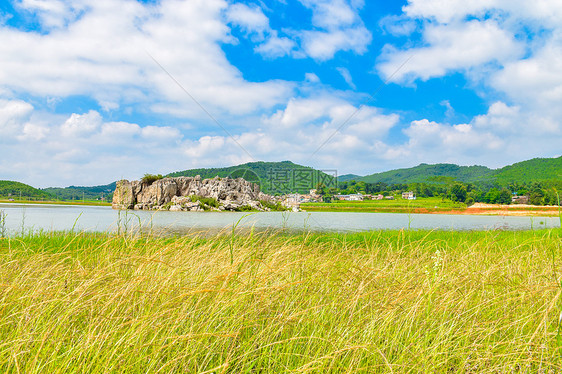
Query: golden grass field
[378,302]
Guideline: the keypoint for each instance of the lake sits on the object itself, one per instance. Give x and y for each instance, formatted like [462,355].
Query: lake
[50,217]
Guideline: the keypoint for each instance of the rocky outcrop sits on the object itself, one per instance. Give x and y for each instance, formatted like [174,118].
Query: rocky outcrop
[190,194]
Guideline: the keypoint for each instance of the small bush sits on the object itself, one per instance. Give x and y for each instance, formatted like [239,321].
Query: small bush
[273,206]
[151,178]
[207,202]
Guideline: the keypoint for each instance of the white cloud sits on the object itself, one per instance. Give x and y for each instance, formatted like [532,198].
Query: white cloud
[52,13]
[323,45]
[119,130]
[462,46]
[250,19]
[82,148]
[312,78]
[13,114]
[331,14]
[255,24]
[346,76]
[102,54]
[276,46]
[545,12]
[536,80]
[81,124]
[164,133]
[506,47]
[33,132]
[339,28]
[446,10]
[397,25]
[500,117]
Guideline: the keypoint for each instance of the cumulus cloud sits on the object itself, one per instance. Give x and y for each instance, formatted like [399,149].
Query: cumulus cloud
[83,148]
[506,48]
[52,13]
[338,28]
[536,80]
[275,46]
[13,114]
[255,24]
[81,124]
[102,54]
[452,48]
[250,19]
[98,49]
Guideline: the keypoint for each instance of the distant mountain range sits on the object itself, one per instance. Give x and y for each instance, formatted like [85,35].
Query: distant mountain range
[287,177]
[535,170]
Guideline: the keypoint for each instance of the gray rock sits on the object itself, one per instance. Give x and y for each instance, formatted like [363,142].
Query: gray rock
[123,197]
[231,194]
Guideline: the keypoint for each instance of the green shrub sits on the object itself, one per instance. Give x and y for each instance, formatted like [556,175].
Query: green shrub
[273,206]
[207,202]
[151,178]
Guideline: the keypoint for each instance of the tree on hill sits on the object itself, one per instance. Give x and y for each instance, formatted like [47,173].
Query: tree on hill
[458,192]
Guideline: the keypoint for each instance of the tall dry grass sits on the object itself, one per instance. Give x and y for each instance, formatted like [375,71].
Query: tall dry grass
[375,302]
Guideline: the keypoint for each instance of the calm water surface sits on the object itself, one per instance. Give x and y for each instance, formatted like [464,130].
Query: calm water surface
[89,218]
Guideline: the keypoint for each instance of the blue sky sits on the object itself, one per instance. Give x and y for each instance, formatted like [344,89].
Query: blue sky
[88,90]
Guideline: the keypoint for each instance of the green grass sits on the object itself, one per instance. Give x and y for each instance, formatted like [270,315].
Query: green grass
[397,205]
[394,301]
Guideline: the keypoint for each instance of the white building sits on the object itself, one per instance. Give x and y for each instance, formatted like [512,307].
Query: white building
[409,195]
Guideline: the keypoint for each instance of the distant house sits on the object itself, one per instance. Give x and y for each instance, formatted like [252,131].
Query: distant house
[350,197]
[297,199]
[520,199]
[389,198]
[409,195]
[293,199]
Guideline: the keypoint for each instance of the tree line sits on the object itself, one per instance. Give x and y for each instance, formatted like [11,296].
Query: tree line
[538,193]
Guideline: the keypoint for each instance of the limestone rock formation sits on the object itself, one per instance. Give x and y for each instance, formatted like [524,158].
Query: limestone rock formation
[190,194]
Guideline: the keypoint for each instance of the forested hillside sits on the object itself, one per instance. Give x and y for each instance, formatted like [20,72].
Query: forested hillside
[535,170]
[526,172]
[15,190]
[104,192]
[431,173]
[273,177]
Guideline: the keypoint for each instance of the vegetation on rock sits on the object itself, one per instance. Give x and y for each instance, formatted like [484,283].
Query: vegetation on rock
[151,178]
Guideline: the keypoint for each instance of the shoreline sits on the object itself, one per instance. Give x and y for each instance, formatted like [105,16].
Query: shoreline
[477,209]
[85,203]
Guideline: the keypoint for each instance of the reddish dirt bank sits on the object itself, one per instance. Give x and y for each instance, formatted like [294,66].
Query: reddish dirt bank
[508,210]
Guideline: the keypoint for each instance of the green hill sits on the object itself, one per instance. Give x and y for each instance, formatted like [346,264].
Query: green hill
[273,177]
[15,190]
[79,193]
[349,177]
[437,173]
[535,170]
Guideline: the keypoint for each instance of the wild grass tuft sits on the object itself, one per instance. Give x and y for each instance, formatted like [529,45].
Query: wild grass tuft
[400,301]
